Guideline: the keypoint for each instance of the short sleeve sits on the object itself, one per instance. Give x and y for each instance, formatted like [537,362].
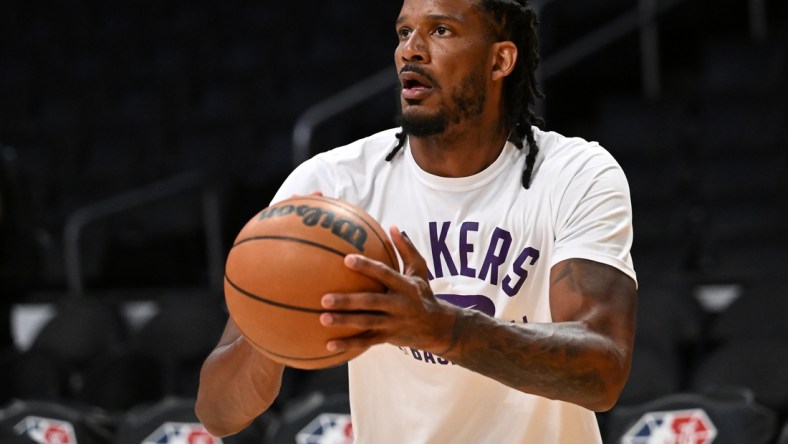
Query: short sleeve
[594,215]
[307,178]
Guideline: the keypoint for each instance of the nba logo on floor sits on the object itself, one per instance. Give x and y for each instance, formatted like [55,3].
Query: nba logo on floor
[46,430]
[181,433]
[672,427]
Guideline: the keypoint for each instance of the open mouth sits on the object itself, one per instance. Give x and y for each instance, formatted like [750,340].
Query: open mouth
[415,85]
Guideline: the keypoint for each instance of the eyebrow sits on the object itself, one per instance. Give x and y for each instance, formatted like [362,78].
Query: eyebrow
[434,18]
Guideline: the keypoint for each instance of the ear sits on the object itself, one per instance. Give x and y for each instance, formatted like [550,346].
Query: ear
[504,58]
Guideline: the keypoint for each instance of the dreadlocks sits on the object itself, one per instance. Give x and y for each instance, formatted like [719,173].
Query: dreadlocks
[516,21]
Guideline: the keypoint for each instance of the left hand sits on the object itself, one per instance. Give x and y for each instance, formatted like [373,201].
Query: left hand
[407,315]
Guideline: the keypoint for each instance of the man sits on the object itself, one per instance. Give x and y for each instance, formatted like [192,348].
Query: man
[528,230]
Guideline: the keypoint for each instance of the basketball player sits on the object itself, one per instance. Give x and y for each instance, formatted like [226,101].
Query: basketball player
[512,319]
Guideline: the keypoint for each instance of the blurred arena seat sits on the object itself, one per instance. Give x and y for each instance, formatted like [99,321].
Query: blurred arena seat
[80,332]
[34,375]
[315,414]
[180,336]
[122,380]
[173,418]
[668,326]
[758,365]
[731,417]
[50,422]
[746,343]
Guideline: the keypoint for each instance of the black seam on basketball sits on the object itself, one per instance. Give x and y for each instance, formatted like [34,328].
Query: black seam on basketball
[293,239]
[351,210]
[292,358]
[268,301]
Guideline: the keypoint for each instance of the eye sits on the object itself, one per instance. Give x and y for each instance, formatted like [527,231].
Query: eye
[403,33]
[442,31]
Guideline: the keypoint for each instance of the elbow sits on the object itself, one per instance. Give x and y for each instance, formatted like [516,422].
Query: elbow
[217,431]
[603,399]
[208,420]
[613,380]
[604,402]
[221,422]
[215,423]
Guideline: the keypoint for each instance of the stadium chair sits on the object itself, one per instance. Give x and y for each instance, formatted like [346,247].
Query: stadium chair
[313,415]
[81,332]
[180,337]
[733,417]
[161,358]
[174,417]
[34,375]
[50,422]
[756,364]
[668,326]
[655,373]
[122,380]
[759,312]
[746,343]
[667,314]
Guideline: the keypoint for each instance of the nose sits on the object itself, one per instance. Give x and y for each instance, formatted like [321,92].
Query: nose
[414,48]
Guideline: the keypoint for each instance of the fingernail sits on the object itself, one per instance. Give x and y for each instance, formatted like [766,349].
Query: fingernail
[350,260]
[326,319]
[331,346]
[328,300]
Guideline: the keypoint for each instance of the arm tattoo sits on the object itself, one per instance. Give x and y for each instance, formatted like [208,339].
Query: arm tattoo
[542,359]
[583,360]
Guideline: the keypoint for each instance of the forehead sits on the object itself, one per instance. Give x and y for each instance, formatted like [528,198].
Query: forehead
[460,10]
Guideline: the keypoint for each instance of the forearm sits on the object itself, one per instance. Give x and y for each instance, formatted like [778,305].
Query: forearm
[237,384]
[565,361]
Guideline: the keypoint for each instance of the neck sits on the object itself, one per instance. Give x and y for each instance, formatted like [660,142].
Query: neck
[460,152]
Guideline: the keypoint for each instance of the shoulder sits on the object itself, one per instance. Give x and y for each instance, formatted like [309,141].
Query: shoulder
[368,149]
[358,156]
[568,150]
[332,172]
[564,159]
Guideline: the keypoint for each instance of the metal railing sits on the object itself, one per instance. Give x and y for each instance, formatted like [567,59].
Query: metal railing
[97,211]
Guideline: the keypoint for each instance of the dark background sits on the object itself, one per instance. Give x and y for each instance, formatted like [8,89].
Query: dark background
[99,99]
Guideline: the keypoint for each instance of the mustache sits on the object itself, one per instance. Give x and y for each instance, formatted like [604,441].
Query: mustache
[421,71]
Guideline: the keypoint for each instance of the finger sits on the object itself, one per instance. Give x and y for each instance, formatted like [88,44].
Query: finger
[363,321]
[413,262]
[368,301]
[361,341]
[374,269]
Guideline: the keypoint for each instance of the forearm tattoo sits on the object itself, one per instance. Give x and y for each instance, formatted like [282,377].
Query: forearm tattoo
[544,359]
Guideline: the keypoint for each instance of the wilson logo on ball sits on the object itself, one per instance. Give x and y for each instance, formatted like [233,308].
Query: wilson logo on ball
[282,263]
[344,228]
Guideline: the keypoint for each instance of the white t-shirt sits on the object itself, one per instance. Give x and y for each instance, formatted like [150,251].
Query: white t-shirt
[489,244]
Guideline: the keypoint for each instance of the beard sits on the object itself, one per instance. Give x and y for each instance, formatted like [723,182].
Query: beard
[466,103]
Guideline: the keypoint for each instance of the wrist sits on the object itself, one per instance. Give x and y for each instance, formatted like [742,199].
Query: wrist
[452,335]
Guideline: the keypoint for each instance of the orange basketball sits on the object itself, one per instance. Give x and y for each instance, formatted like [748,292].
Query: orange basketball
[282,263]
